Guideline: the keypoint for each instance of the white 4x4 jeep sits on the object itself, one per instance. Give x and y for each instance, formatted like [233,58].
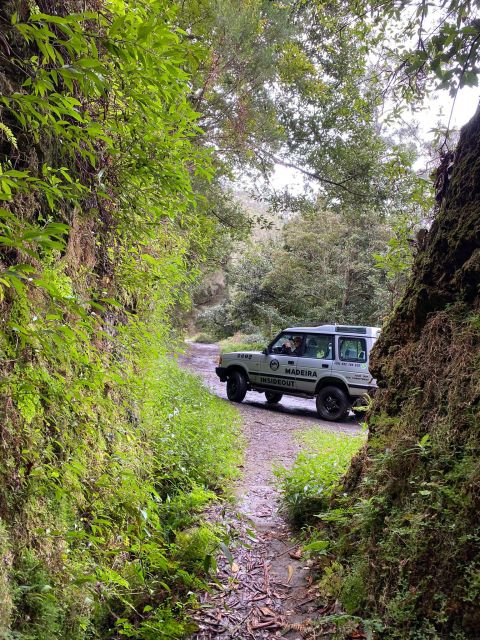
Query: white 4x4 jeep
[329,362]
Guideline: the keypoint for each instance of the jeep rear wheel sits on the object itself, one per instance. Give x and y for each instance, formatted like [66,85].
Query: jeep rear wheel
[273,397]
[236,386]
[332,403]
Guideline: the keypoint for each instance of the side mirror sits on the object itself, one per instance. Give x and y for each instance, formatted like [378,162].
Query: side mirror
[265,352]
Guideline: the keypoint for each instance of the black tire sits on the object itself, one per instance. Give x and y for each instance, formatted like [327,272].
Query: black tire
[236,386]
[332,403]
[273,397]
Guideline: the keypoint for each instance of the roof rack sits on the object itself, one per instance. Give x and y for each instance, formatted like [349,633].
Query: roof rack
[346,329]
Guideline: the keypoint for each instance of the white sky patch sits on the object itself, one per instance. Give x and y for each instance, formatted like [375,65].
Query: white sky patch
[285,177]
[440,105]
[436,112]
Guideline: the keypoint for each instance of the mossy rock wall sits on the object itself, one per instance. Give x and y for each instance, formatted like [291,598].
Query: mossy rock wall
[413,545]
[107,449]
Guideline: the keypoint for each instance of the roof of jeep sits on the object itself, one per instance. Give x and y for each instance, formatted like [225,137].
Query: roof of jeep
[369,332]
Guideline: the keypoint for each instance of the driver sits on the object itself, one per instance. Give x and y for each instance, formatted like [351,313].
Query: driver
[297,345]
[292,348]
[286,348]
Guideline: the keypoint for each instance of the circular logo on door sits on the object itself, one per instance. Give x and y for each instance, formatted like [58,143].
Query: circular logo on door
[274,364]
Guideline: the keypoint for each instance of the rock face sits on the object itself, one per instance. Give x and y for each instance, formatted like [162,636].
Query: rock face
[413,546]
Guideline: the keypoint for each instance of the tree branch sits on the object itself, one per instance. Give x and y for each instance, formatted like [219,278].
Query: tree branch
[314,175]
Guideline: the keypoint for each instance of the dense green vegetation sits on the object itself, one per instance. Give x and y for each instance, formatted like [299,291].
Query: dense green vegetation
[331,259]
[321,267]
[239,342]
[108,450]
[316,475]
[123,124]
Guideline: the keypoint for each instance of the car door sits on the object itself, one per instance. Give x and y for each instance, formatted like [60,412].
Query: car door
[351,363]
[315,362]
[277,368]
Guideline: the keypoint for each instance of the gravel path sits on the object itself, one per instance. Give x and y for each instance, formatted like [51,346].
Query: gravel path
[267,591]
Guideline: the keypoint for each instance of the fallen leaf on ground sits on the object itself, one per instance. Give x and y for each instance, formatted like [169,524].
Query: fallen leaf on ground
[296,555]
[235,567]
[290,571]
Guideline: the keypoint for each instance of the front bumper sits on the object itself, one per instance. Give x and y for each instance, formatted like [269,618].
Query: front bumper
[221,373]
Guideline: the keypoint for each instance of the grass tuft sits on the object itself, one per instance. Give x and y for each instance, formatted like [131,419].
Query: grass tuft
[243,342]
[316,473]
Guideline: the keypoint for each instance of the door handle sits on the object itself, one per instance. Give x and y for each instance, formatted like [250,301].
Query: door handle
[324,366]
[291,362]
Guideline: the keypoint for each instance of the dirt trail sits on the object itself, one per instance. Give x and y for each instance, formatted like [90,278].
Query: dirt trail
[267,591]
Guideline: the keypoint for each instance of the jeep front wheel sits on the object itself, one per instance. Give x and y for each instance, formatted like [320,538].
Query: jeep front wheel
[332,403]
[236,386]
[272,397]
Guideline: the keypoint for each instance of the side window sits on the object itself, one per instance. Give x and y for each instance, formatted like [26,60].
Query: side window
[353,349]
[319,346]
[288,344]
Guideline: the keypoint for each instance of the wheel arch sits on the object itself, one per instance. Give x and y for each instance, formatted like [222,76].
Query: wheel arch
[237,367]
[329,381]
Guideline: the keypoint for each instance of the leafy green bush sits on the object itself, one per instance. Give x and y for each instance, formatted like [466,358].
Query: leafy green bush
[195,434]
[204,338]
[216,322]
[115,508]
[316,473]
[243,342]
